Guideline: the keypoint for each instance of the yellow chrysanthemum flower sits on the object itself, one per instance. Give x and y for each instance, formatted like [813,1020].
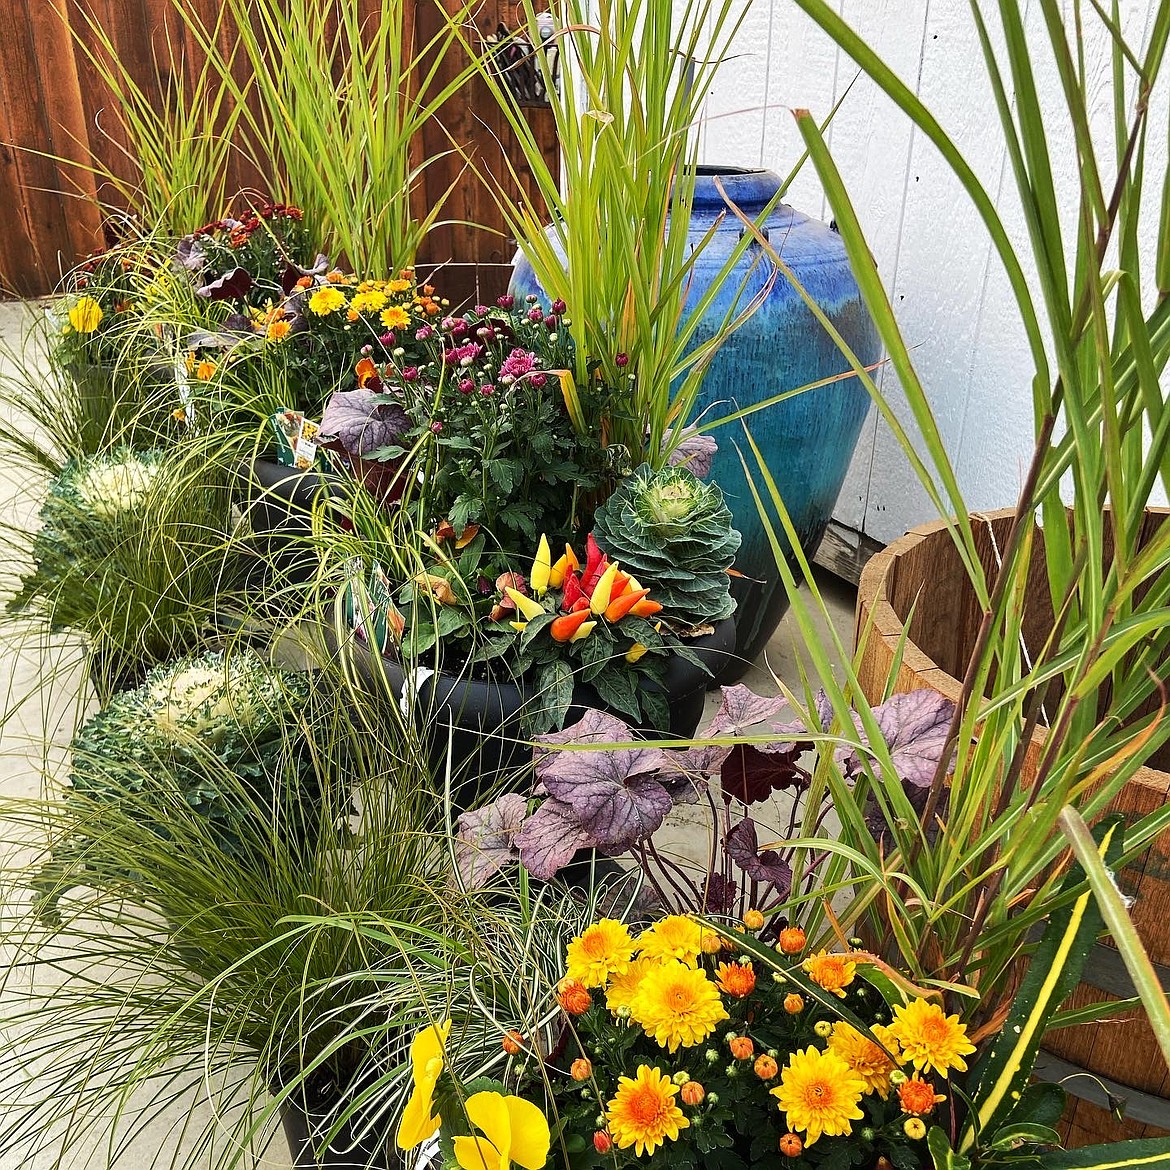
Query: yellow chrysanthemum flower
[831,971]
[643,1112]
[278,330]
[674,937]
[677,1005]
[399,285]
[864,1057]
[419,1121]
[819,1093]
[371,301]
[395,317]
[622,987]
[326,300]
[86,315]
[931,1039]
[600,952]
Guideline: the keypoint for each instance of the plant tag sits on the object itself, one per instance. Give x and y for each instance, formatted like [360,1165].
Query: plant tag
[296,440]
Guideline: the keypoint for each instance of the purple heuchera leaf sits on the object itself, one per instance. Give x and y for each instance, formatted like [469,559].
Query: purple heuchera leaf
[743,848]
[550,838]
[361,421]
[696,453]
[914,726]
[230,286]
[614,795]
[189,254]
[719,894]
[741,709]
[751,774]
[486,841]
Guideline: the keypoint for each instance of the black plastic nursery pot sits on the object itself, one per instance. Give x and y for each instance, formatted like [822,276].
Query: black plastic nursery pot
[278,503]
[307,1122]
[482,721]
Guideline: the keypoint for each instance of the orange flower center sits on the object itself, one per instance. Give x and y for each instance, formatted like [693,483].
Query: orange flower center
[644,1105]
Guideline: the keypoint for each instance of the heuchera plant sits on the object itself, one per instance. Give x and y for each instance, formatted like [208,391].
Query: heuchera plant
[615,796]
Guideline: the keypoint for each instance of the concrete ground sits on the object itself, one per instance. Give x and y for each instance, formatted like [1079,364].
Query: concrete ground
[38,732]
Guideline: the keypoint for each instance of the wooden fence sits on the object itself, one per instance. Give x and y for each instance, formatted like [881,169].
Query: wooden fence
[53,103]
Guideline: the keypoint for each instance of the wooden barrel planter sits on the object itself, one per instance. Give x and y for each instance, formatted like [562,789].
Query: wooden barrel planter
[921,574]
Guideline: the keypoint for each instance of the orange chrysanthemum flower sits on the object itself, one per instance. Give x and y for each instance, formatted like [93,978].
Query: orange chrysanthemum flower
[574,998]
[918,1096]
[832,972]
[737,979]
[643,1113]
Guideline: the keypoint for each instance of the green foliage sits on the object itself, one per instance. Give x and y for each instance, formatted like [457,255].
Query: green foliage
[955,887]
[339,93]
[179,147]
[192,725]
[496,445]
[290,962]
[673,533]
[617,248]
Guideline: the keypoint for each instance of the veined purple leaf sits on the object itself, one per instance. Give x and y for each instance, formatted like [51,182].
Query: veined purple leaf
[719,894]
[550,838]
[189,254]
[696,453]
[743,848]
[614,795]
[751,774]
[486,841]
[742,709]
[687,769]
[914,726]
[361,421]
[593,727]
[230,286]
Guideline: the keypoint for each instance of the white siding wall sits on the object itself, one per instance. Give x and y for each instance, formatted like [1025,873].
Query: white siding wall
[954,301]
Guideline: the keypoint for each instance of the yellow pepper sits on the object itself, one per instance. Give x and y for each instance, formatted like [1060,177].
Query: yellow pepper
[599,602]
[541,570]
[635,652]
[525,605]
[564,564]
[583,631]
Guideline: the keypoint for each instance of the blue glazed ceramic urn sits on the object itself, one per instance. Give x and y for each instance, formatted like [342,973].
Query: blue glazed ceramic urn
[807,440]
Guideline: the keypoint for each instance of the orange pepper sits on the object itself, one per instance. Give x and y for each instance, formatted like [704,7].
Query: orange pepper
[564,627]
[620,606]
[646,608]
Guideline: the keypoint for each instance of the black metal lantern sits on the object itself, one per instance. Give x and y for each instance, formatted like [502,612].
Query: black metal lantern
[514,60]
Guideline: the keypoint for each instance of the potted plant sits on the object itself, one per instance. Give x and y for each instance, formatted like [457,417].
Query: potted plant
[133,553]
[693,1042]
[1059,688]
[183,920]
[677,309]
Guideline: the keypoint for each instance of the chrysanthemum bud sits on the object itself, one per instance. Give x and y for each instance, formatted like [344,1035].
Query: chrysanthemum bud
[742,1047]
[823,1029]
[602,1142]
[753,920]
[512,1042]
[581,1069]
[692,1093]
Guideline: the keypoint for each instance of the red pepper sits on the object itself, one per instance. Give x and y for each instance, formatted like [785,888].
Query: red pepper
[564,627]
[620,606]
[571,592]
[596,562]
